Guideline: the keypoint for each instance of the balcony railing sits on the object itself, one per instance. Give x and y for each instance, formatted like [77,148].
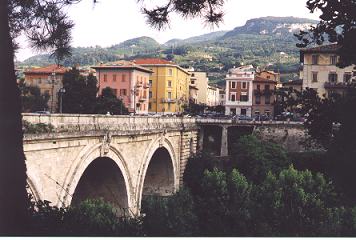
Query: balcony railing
[338,85]
[168,100]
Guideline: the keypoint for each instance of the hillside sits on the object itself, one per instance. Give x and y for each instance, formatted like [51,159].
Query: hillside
[266,41]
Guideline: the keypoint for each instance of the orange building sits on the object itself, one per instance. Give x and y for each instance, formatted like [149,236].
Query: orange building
[129,81]
[49,79]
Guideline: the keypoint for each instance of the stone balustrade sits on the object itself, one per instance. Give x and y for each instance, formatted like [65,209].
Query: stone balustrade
[86,122]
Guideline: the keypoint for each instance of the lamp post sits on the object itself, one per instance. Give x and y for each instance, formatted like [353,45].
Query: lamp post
[61,92]
[53,78]
[134,92]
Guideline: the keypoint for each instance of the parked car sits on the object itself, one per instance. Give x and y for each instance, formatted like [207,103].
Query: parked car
[262,117]
[244,118]
[42,112]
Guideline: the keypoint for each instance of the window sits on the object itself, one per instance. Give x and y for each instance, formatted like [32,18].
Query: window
[114,78]
[268,77]
[169,83]
[150,94]
[315,59]
[192,82]
[123,78]
[170,72]
[193,75]
[149,106]
[115,91]
[243,111]
[347,77]
[267,87]
[314,76]
[332,77]
[258,87]
[267,99]
[333,60]
[169,95]
[123,92]
[244,85]
[232,97]
[105,78]
[257,113]
[233,85]
[150,82]
[258,99]
[243,98]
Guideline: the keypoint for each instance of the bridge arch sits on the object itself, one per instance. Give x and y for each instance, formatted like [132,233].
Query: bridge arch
[160,157]
[33,187]
[83,168]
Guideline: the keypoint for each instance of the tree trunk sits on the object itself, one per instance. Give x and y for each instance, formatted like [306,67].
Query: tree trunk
[13,195]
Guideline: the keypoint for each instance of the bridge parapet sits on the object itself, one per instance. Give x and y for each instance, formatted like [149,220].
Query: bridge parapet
[86,122]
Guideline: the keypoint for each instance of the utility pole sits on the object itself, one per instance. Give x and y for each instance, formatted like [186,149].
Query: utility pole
[61,92]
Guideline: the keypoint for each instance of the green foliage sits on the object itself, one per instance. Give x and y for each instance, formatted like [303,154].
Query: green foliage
[98,218]
[194,108]
[255,158]
[31,128]
[173,216]
[31,98]
[80,92]
[108,102]
[293,203]
[90,218]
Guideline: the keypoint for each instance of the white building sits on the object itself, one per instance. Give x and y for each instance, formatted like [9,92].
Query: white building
[212,96]
[239,91]
[320,71]
[200,81]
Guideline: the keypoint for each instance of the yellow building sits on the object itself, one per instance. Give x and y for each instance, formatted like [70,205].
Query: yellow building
[169,90]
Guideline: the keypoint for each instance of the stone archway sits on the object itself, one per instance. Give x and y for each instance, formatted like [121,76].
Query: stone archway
[81,172]
[159,171]
[159,177]
[103,179]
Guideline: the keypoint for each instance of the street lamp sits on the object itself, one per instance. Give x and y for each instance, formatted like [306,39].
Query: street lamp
[53,79]
[61,92]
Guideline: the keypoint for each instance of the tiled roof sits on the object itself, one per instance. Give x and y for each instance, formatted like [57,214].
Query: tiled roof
[143,61]
[330,48]
[121,65]
[48,69]
[260,79]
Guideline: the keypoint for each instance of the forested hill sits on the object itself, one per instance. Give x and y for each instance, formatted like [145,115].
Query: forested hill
[266,41]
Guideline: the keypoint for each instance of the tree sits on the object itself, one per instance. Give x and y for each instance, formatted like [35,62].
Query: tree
[107,102]
[48,28]
[80,95]
[255,158]
[31,98]
[337,25]
[293,203]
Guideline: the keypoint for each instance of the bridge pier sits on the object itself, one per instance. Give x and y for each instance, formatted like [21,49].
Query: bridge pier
[224,152]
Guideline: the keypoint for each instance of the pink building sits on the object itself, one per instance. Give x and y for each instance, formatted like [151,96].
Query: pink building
[129,81]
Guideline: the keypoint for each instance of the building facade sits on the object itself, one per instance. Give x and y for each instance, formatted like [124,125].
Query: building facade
[49,80]
[239,86]
[263,95]
[169,90]
[320,71]
[129,81]
[213,96]
[200,81]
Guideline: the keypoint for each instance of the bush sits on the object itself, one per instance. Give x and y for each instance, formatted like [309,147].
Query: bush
[31,128]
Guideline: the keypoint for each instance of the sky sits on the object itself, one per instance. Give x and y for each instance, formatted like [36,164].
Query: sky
[110,22]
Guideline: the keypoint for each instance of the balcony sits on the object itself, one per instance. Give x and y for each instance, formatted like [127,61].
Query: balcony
[139,84]
[168,100]
[147,86]
[337,85]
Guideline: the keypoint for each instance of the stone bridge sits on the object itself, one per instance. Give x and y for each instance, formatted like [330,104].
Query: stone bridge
[122,159]
[119,159]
